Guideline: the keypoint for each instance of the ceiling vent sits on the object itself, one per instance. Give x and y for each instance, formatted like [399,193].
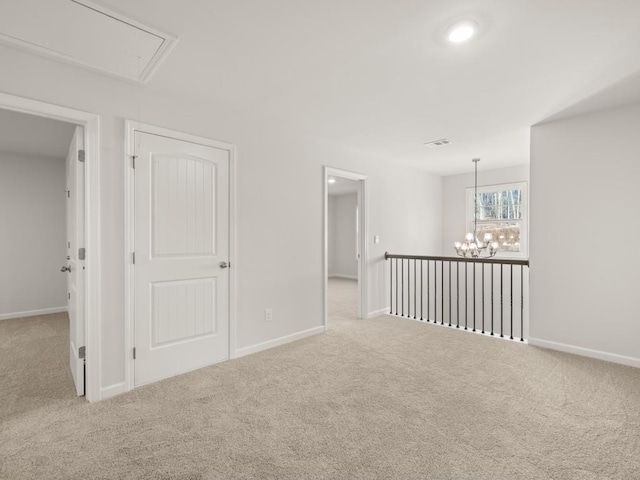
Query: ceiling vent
[85,34]
[438,143]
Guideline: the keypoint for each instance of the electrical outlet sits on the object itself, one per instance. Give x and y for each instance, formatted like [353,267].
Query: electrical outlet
[268,315]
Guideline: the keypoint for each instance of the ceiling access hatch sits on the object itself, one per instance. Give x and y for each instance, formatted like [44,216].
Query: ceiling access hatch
[86,34]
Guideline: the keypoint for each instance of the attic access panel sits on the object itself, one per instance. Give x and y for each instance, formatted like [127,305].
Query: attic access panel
[85,34]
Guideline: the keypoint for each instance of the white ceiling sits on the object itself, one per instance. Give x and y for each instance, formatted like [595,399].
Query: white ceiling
[377,78]
[32,135]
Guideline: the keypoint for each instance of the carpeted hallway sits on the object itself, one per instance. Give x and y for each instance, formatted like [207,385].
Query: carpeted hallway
[385,398]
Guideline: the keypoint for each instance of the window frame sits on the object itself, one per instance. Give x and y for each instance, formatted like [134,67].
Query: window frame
[524,221]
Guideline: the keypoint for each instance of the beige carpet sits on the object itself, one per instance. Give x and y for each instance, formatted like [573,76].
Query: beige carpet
[34,365]
[387,398]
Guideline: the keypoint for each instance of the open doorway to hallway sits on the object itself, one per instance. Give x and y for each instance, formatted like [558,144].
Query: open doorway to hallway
[39,187]
[345,245]
[343,248]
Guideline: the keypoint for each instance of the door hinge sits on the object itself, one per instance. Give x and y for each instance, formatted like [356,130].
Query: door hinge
[134,258]
[69,296]
[81,155]
[133,161]
[134,353]
[82,352]
[68,193]
[82,254]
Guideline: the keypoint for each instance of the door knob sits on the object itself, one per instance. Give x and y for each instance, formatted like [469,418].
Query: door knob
[66,269]
[224,265]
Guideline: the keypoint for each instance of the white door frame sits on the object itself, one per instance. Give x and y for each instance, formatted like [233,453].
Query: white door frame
[363,264]
[91,125]
[132,126]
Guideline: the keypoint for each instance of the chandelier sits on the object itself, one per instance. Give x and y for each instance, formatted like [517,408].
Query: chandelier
[472,246]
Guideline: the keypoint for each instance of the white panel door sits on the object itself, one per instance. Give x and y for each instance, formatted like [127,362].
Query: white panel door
[181,250]
[75,265]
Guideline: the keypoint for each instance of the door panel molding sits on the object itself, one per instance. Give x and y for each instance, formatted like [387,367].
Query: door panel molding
[92,307]
[131,127]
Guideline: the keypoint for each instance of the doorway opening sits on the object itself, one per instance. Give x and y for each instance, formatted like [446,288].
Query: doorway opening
[52,223]
[345,234]
[42,284]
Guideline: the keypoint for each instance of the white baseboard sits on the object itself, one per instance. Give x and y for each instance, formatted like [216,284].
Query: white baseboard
[112,390]
[32,313]
[586,352]
[340,275]
[478,331]
[241,352]
[377,313]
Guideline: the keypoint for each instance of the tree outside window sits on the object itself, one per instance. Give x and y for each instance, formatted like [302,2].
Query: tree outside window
[502,212]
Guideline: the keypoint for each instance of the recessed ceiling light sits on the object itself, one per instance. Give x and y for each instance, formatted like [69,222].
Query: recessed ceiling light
[461,32]
[332,180]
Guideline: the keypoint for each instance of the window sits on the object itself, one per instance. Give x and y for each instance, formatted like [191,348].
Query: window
[502,212]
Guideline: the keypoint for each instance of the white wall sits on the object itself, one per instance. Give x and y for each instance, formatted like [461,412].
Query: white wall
[454,197]
[280,230]
[342,235]
[585,173]
[32,234]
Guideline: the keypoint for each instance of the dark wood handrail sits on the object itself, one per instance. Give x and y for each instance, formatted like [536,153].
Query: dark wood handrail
[501,261]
